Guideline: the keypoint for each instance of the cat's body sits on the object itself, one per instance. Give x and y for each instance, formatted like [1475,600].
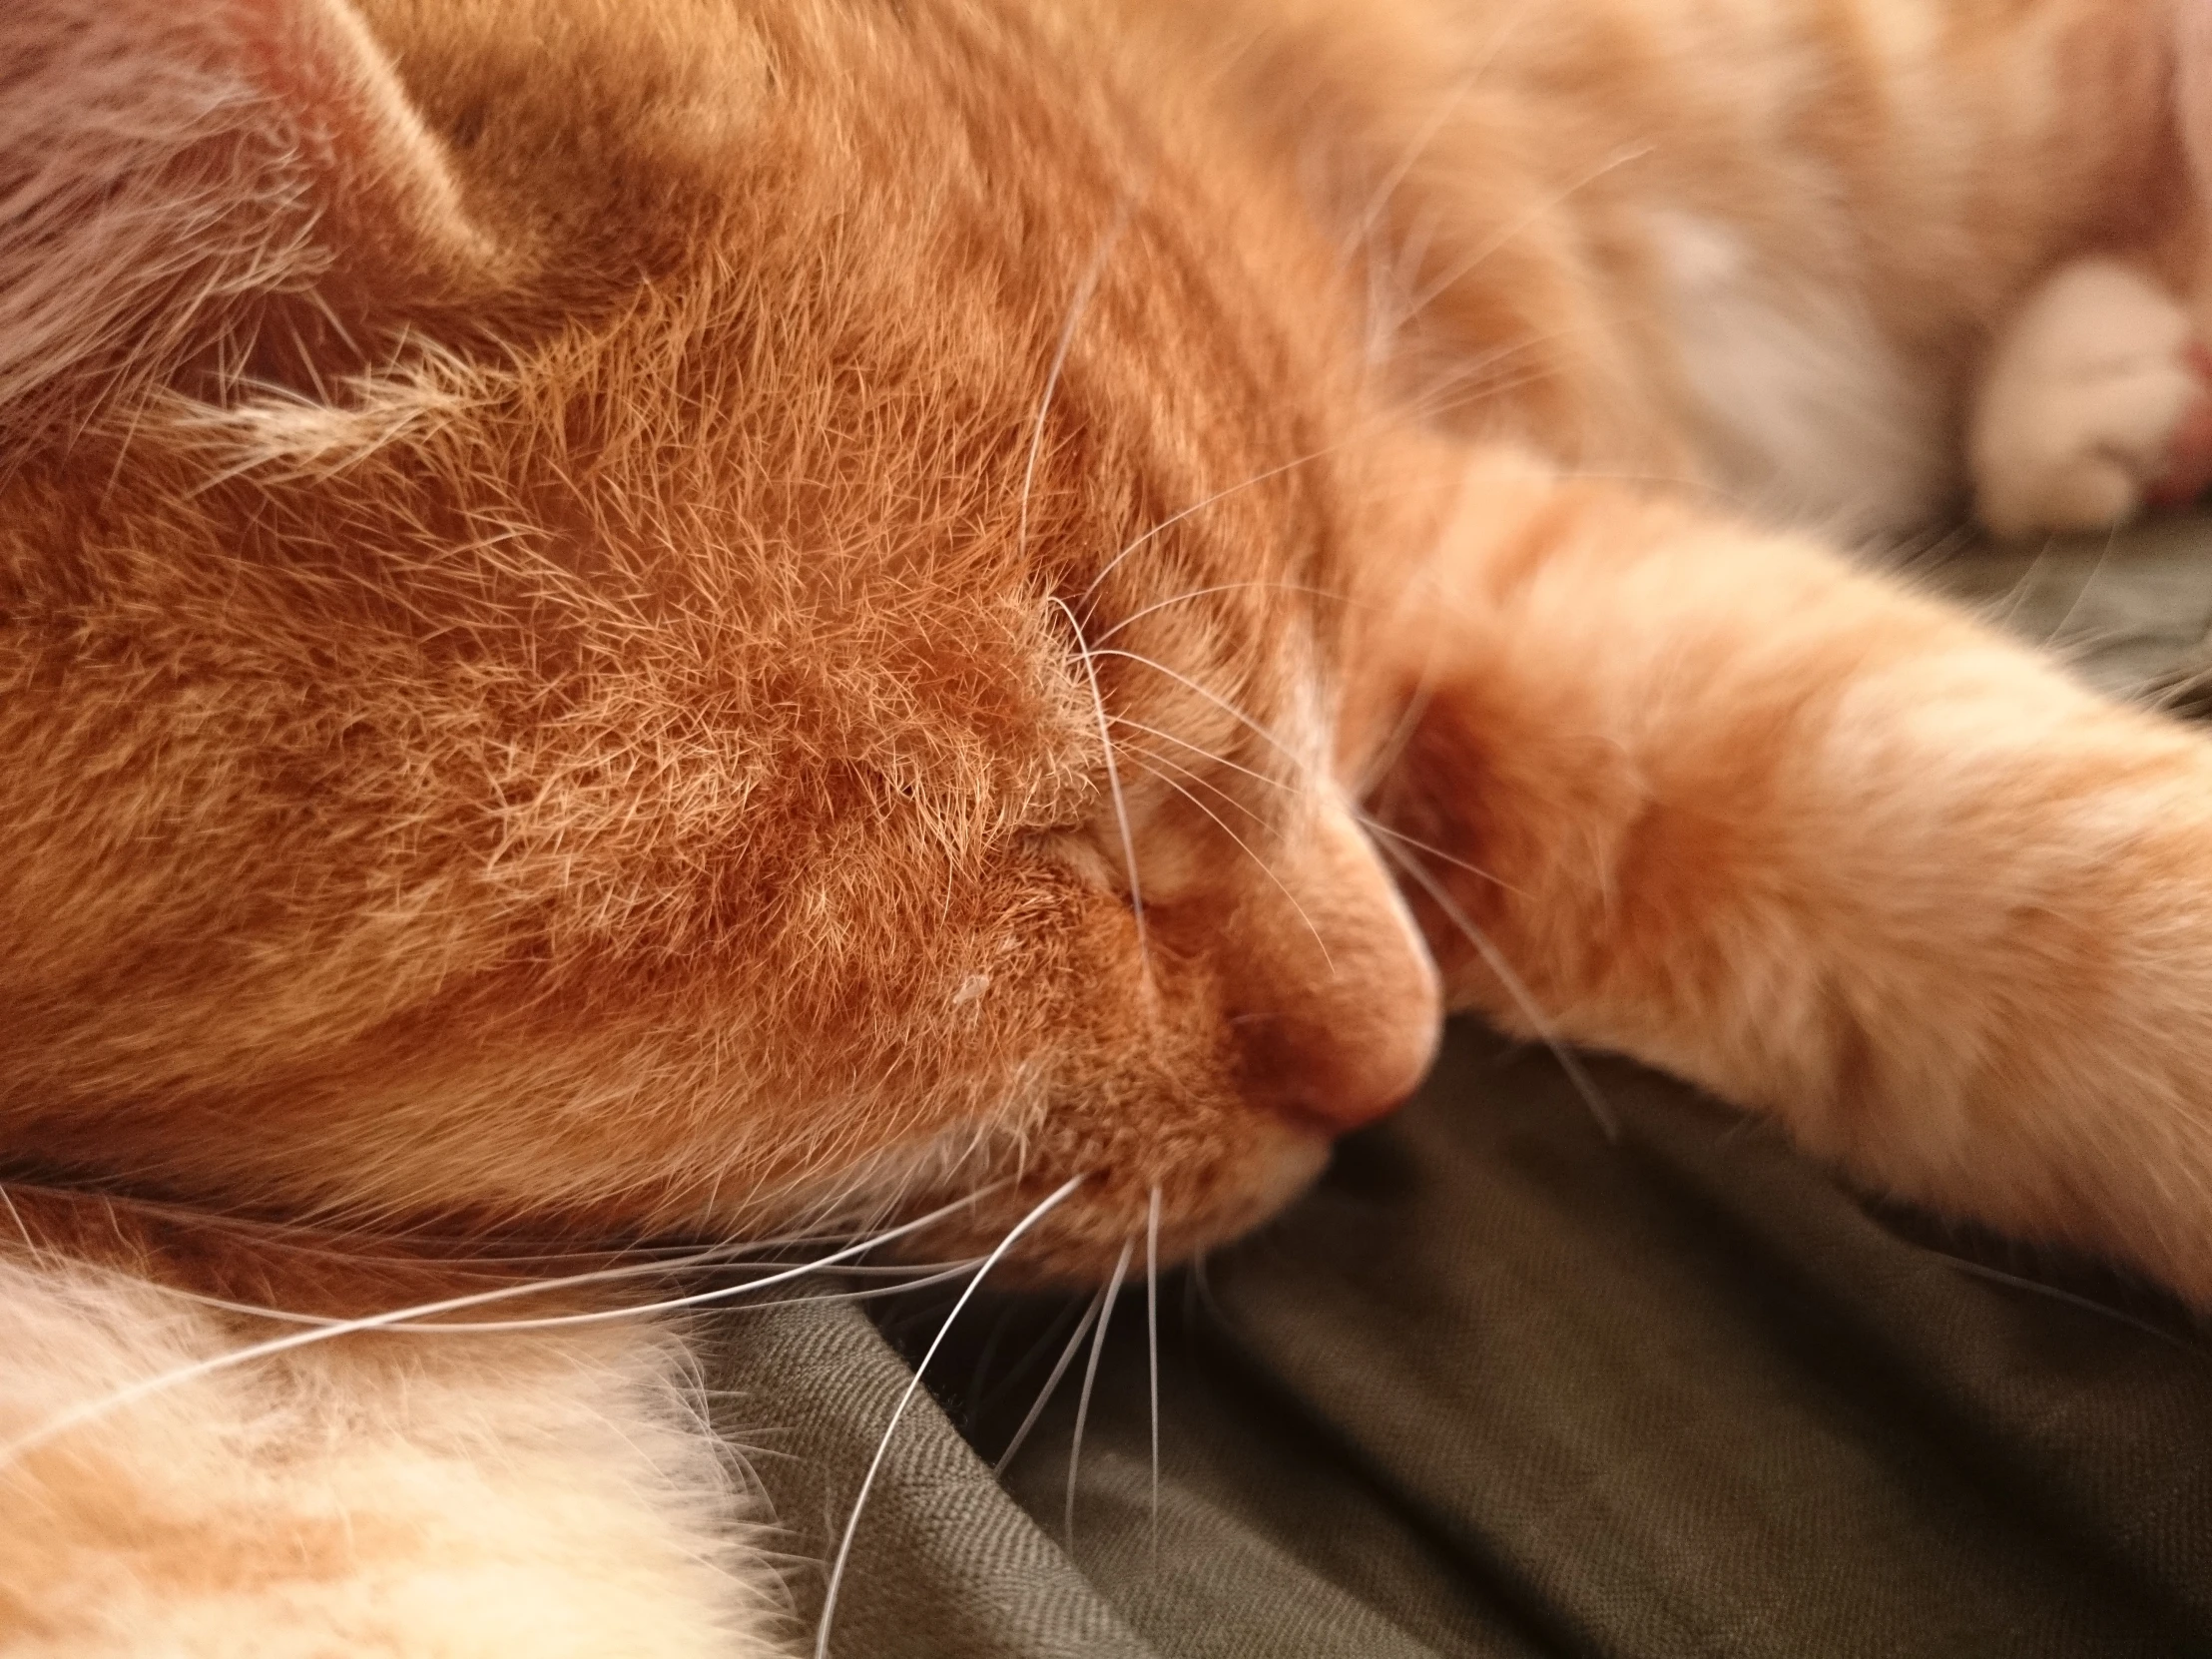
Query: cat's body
[695,618]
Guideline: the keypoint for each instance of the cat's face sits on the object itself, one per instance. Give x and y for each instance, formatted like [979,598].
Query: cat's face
[842,677]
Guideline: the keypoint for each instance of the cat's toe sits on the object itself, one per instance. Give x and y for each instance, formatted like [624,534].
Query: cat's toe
[2097,401]
[2190,449]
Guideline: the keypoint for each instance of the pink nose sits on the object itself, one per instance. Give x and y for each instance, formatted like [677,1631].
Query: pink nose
[1342,1005]
[1334,1074]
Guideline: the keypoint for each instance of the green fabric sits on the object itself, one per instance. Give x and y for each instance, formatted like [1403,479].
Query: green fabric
[1504,1386]
[944,1564]
[2130,612]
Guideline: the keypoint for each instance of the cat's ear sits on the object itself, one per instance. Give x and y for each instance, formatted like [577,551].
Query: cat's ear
[208,190]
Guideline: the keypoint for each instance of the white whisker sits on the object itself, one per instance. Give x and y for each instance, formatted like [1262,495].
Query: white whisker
[1427,296]
[1427,134]
[1152,1353]
[1266,869]
[1494,959]
[884,1446]
[77,1415]
[1392,748]
[1204,753]
[1153,763]
[1090,1378]
[1375,827]
[1424,135]
[29,1244]
[1220,702]
[1191,594]
[1437,401]
[1201,505]
[453,1251]
[2112,538]
[913,1278]
[1051,1383]
[1113,778]
[1086,288]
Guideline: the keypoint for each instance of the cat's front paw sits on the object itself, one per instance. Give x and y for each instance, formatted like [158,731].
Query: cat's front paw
[2096,403]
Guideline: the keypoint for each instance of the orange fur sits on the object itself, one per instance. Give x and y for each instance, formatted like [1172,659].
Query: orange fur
[690,617]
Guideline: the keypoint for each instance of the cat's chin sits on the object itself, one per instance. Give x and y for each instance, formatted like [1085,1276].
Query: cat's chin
[1080,1238]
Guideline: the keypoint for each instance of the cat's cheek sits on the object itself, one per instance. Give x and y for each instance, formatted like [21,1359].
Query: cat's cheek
[1267,1179]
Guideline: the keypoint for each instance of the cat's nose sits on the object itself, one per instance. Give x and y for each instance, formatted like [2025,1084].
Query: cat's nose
[1341,1007]
[1335,1076]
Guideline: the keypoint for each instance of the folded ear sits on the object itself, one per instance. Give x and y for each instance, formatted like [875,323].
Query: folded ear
[205,188]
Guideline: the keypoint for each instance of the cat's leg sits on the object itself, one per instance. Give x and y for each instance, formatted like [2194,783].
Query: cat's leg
[386,1497]
[1719,800]
[2094,403]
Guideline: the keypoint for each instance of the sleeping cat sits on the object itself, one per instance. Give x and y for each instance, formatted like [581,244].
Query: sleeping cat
[705,620]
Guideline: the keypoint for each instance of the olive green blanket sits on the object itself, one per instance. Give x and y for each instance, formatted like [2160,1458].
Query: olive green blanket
[1506,1386]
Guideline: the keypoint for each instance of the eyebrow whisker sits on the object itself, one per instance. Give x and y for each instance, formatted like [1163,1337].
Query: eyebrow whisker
[1320,944]
[1211,697]
[1494,959]
[1204,753]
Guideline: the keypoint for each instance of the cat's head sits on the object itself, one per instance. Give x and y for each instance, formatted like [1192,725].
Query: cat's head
[682,615]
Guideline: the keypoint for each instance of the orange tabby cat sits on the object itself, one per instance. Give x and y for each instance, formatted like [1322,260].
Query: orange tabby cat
[695,617]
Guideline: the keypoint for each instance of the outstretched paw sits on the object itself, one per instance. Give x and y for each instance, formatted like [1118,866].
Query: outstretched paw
[2096,403]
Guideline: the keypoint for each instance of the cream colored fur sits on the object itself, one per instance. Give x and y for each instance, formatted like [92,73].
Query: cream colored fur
[407,1496]
[688,619]
[2078,408]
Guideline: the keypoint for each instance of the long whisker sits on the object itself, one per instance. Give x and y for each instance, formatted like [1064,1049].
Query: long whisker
[1998,1275]
[1153,763]
[1113,777]
[1436,402]
[1426,135]
[1494,959]
[449,1252]
[1204,753]
[1152,1353]
[1052,1332]
[1091,1377]
[979,1378]
[1392,749]
[1375,827]
[1422,300]
[1051,1383]
[86,1412]
[1189,594]
[1408,725]
[1478,376]
[1220,702]
[1086,288]
[913,1278]
[1202,504]
[1264,868]
[2111,537]
[884,1446]
[28,1243]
